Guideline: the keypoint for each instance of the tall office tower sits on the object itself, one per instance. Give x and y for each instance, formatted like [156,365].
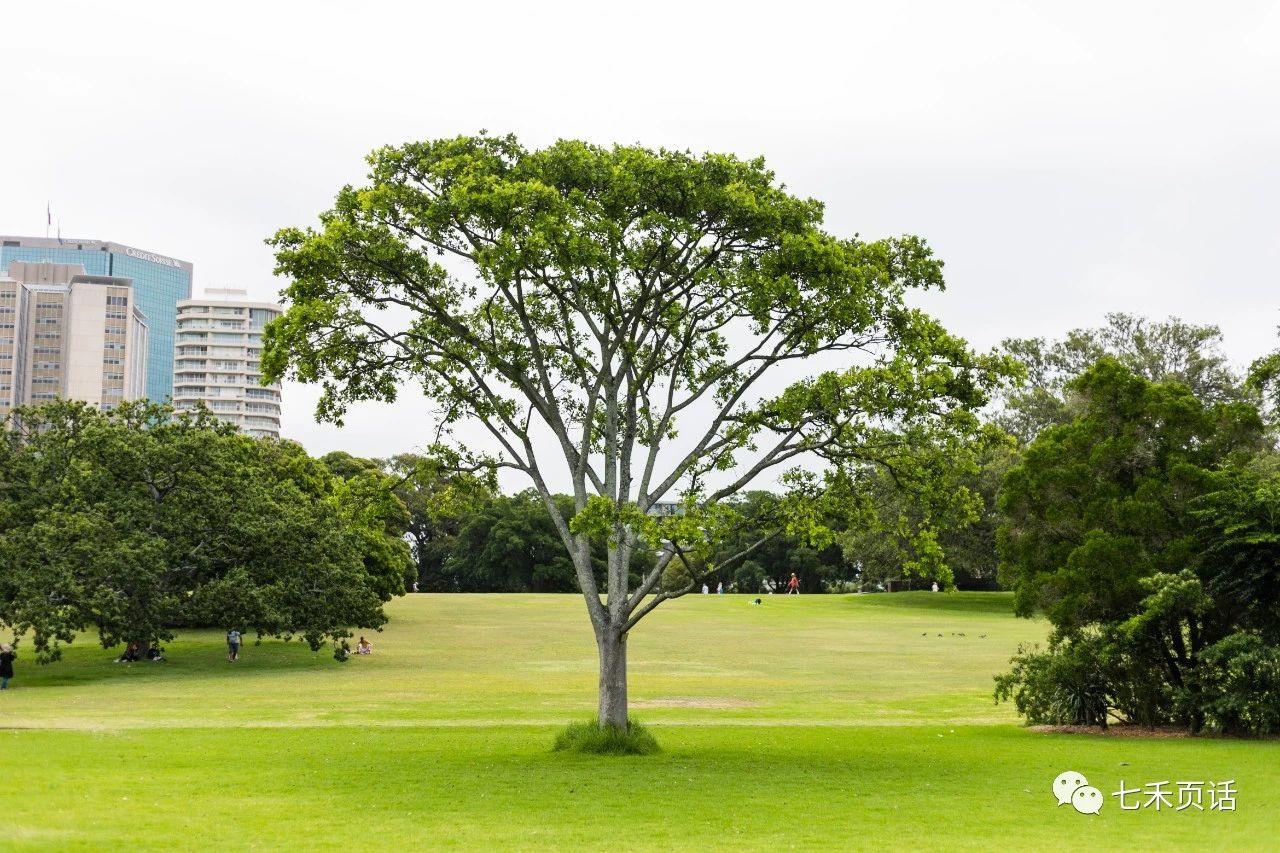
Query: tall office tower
[158,283]
[216,360]
[64,333]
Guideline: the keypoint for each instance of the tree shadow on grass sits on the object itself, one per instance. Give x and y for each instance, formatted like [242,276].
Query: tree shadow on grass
[86,662]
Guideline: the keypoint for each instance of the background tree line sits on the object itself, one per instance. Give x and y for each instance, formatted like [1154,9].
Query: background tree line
[467,537]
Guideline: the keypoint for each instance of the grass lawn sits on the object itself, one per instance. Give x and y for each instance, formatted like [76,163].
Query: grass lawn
[811,722]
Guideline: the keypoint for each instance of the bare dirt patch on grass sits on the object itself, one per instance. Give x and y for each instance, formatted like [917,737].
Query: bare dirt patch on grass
[1115,731]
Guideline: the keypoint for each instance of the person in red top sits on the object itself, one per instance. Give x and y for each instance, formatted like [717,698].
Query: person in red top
[793,585]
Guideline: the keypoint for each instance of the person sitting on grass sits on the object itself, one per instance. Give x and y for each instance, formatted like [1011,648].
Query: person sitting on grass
[131,654]
[364,647]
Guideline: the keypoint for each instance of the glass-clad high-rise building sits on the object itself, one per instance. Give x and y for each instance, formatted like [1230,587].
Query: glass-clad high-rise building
[158,283]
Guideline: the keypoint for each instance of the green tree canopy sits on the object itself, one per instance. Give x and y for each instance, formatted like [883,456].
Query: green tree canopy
[610,301]
[440,500]
[1144,532]
[511,545]
[1240,524]
[883,548]
[1103,501]
[139,521]
[1166,351]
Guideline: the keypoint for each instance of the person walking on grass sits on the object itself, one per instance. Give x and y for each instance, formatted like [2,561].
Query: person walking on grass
[7,657]
[233,645]
[793,585]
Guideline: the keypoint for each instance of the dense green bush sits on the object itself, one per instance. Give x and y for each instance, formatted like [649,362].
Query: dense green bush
[1239,680]
[1139,692]
[1065,685]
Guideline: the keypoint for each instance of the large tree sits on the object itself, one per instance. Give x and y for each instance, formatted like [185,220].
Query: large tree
[140,521]
[636,325]
[1099,503]
[1120,529]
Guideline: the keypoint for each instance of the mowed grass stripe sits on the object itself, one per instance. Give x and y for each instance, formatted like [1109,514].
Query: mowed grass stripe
[713,788]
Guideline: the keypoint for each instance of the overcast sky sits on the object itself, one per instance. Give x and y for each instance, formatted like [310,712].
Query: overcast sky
[1064,159]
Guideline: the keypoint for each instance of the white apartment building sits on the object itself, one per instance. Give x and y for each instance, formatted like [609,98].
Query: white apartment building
[217,349]
[65,334]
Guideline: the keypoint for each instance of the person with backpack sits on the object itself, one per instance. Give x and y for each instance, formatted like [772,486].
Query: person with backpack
[233,645]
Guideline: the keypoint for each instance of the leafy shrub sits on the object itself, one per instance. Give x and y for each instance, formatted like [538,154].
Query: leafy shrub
[1137,685]
[594,739]
[1064,685]
[1239,678]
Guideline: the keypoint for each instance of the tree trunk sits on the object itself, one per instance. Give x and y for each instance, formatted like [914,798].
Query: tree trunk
[612,646]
